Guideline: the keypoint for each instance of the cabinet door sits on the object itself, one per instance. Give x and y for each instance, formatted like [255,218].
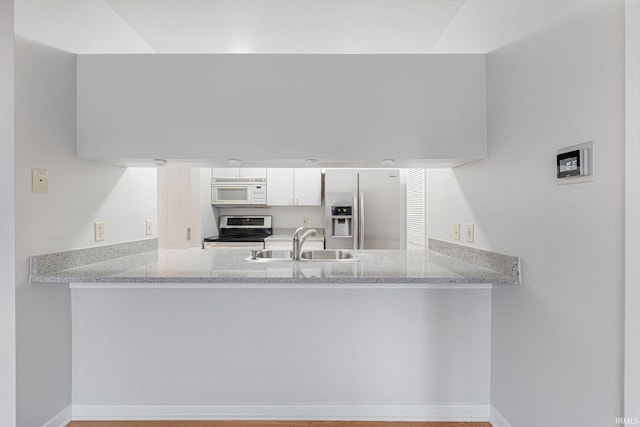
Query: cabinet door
[227,173]
[307,187]
[280,187]
[253,172]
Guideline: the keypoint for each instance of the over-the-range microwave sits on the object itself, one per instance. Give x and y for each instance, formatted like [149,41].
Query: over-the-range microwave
[239,192]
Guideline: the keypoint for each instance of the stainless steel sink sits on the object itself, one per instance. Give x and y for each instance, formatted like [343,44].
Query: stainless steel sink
[269,255]
[327,255]
[273,255]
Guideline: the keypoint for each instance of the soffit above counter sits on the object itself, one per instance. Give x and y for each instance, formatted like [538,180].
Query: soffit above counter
[344,110]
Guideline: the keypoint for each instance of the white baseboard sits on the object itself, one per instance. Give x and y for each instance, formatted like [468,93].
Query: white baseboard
[61,420]
[497,420]
[283,412]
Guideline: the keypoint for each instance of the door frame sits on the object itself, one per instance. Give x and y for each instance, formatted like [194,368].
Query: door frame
[632,211]
[7,224]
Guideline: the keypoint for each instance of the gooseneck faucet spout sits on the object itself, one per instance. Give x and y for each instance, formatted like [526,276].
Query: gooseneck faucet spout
[299,240]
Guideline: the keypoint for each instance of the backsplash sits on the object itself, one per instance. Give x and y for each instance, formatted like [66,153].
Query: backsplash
[284,216]
[289,231]
[59,261]
[505,264]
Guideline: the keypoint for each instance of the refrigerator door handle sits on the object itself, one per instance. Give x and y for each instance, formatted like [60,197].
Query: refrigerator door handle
[361,208]
[356,221]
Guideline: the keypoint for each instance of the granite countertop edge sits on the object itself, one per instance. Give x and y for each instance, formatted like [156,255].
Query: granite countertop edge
[441,266]
[268,280]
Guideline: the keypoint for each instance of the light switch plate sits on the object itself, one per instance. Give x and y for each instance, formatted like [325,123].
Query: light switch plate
[39,180]
[456,231]
[99,231]
[149,227]
[470,233]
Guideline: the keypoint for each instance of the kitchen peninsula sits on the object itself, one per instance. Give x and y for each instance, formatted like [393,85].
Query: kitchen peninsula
[193,334]
[446,263]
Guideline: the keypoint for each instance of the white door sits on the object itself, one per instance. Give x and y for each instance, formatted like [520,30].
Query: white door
[280,186]
[174,208]
[307,186]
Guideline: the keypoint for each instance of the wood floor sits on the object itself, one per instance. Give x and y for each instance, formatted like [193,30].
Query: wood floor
[272,424]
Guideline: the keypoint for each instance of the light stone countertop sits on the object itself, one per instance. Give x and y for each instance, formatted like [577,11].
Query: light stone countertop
[375,268]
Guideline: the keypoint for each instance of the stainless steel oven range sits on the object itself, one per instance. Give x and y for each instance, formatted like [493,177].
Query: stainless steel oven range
[241,232]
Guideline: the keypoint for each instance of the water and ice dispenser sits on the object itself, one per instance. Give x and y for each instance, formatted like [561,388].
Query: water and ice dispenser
[341,221]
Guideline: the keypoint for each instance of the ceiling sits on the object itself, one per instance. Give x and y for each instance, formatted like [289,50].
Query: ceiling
[283,26]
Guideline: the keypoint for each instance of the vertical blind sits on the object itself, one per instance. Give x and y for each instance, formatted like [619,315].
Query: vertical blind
[416,209]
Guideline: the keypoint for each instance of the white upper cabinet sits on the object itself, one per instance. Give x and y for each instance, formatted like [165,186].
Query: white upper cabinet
[227,173]
[253,172]
[232,173]
[294,187]
[307,186]
[279,186]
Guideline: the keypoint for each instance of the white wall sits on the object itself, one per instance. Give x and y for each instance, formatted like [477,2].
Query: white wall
[80,192]
[557,340]
[282,106]
[7,212]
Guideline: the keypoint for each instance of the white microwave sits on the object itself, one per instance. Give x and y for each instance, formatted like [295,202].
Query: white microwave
[239,192]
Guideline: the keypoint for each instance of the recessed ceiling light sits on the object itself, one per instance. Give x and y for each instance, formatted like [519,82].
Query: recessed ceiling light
[386,162]
[160,162]
[234,162]
[310,162]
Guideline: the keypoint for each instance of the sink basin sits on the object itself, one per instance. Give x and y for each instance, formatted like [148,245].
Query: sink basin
[268,255]
[273,255]
[327,255]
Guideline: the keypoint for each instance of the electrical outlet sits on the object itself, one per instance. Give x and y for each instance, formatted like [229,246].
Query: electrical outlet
[98,228]
[149,227]
[39,180]
[470,233]
[456,231]
[305,221]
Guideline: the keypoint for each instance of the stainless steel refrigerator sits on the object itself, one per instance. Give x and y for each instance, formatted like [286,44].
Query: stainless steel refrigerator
[363,209]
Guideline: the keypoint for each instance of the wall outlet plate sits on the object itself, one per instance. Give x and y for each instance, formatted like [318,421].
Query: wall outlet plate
[39,180]
[148,227]
[98,228]
[470,233]
[456,231]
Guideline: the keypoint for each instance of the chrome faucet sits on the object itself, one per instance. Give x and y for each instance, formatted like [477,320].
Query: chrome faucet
[299,240]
